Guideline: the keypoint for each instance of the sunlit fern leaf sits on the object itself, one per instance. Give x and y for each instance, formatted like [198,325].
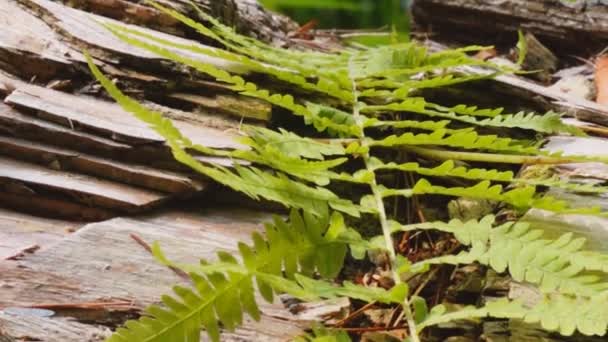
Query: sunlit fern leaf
[501,308]
[468,140]
[547,123]
[558,265]
[323,85]
[249,180]
[238,84]
[567,314]
[293,145]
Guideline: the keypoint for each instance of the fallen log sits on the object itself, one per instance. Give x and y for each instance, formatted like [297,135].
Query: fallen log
[246,16]
[565,27]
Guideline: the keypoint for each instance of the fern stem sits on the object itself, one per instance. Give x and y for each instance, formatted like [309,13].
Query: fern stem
[489,157]
[386,228]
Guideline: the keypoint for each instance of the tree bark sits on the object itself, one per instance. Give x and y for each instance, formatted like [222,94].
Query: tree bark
[580,27]
[246,16]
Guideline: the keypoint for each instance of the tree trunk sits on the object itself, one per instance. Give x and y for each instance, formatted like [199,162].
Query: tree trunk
[247,16]
[580,27]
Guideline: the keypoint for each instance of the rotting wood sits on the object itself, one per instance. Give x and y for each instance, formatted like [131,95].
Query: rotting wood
[106,118]
[248,17]
[19,231]
[86,31]
[63,208]
[101,262]
[532,95]
[15,123]
[581,28]
[62,159]
[29,48]
[47,49]
[27,326]
[82,189]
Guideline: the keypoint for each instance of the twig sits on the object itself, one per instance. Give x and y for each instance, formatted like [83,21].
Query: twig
[85,305]
[21,253]
[354,314]
[368,329]
[147,247]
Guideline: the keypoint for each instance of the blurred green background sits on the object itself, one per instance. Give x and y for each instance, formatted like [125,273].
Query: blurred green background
[346,14]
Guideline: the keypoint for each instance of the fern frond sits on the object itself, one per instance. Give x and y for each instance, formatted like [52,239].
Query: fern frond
[224,291]
[323,85]
[251,181]
[447,169]
[291,144]
[555,265]
[414,124]
[549,123]
[501,308]
[466,140]
[238,84]
[567,314]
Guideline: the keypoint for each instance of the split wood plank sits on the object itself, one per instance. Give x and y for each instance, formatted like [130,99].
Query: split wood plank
[25,199]
[14,123]
[101,262]
[107,119]
[248,17]
[31,49]
[67,160]
[28,47]
[20,231]
[82,189]
[28,127]
[87,30]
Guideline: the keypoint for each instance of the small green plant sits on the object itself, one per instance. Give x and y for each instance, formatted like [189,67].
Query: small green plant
[373,121]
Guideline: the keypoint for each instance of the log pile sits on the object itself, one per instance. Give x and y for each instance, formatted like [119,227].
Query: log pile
[67,153]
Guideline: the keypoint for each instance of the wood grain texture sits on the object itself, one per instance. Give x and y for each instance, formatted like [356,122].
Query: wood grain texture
[107,119]
[102,263]
[20,231]
[23,327]
[248,17]
[67,160]
[86,30]
[29,48]
[83,189]
[581,27]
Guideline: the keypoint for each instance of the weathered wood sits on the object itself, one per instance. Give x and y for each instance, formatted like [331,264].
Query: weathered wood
[101,263]
[30,48]
[36,203]
[247,17]
[242,108]
[524,93]
[29,327]
[107,119]
[19,231]
[15,123]
[581,27]
[62,159]
[83,189]
[86,30]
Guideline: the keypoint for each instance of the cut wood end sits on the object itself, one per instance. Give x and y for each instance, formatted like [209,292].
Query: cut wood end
[601,79]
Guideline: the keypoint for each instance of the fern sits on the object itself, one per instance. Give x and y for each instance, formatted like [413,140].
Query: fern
[366,114]
[223,292]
